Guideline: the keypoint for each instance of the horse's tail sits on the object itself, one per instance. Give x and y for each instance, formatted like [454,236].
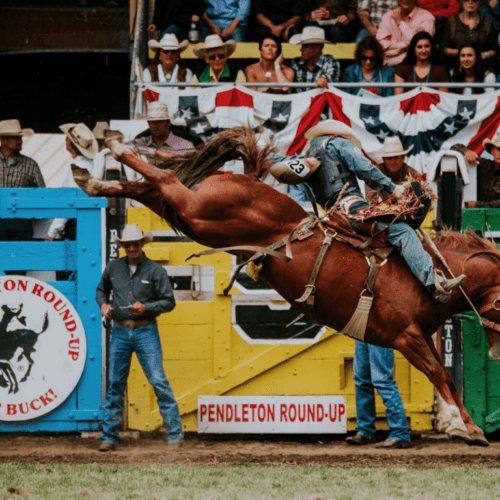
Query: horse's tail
[240,142]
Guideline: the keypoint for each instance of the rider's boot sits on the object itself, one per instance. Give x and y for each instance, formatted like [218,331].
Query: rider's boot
[444,287]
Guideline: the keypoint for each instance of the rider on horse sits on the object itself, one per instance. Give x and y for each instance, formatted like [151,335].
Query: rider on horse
[338,149]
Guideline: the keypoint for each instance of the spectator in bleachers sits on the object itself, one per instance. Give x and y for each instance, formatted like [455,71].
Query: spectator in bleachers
[369,68]
[216,53]
[398,27]
[488,173]
[469,68]
[342,15]
[16,171]
[281,19]
[491,10]
[469,26]
[270,68]
[170,68]
[370,13]
[171,16]
[163,139]
[441,10]
[314,66]
[419,65]
[226,18]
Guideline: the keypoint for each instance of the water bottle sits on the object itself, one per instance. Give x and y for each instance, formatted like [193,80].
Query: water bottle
[194,33]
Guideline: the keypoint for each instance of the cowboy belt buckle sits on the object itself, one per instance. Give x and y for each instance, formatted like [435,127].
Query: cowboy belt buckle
[129,323]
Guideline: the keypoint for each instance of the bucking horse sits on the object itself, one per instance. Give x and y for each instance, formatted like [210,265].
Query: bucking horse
[218,210]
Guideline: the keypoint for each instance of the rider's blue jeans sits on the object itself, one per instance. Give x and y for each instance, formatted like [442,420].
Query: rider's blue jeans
[373,367]
[145,341]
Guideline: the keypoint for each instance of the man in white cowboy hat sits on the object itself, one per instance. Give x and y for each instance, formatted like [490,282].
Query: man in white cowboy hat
[162,139]
[18,171]
[282,19]
[82,146]
[488,173]
[169,69]
[314,66]
[216,53]
[392,166]
[338,148]
[227,18]
[141,292]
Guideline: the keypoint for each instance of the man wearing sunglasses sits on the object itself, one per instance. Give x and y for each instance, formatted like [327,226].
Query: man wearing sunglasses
[141,292]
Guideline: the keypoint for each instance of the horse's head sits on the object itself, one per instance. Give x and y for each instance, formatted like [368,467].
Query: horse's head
[490,320]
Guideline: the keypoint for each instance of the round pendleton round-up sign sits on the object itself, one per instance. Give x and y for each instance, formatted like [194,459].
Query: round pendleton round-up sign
[42,348]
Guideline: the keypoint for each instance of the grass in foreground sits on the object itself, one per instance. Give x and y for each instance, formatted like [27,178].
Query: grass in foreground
[58,482]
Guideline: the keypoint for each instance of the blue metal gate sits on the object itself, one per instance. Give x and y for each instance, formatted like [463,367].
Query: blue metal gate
[81,411]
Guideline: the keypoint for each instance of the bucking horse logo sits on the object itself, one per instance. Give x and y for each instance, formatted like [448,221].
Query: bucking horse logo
[16,347]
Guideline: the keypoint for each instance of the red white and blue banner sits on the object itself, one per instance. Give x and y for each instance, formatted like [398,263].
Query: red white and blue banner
[427,119]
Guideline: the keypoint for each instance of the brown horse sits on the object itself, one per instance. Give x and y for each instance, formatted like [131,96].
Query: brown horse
[230,210]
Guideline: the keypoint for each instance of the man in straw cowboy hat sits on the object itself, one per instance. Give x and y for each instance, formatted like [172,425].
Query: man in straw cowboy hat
[16,171]
[170,69]
[314,66]
[216,53]
[82,146]
[392,166]
[162,139]
[488,173]
[141,292]
[338,148]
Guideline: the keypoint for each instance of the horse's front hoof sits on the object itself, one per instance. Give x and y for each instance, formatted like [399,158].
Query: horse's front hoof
[461,435]
[477,439]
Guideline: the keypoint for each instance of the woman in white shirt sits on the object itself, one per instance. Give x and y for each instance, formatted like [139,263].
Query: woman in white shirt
[469,68]
[170,68]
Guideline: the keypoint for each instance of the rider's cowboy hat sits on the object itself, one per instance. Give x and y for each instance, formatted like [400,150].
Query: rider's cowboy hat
[168,42]
[310,34]
[132,232]
[487,144]
[333,127]
[157,110]
[212,42]
[12,128]
[393,147]
[82,138]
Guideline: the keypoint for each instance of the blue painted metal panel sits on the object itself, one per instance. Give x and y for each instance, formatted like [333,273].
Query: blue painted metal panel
[81,411]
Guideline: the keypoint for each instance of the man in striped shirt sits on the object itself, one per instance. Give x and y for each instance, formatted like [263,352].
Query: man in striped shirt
[16,171]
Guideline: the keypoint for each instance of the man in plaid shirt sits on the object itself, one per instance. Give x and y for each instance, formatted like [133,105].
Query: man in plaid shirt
[16,171]
[314,66]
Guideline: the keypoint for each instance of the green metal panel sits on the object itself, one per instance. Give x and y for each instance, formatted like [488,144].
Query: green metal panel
[481,373]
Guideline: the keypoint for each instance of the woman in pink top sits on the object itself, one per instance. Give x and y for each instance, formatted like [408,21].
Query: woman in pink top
[398,27]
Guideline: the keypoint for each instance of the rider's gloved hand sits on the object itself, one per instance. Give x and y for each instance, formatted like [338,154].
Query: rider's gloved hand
[398,191]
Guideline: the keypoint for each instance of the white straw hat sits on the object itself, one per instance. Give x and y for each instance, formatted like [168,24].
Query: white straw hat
[82,138]
[487,143]
[12,128]
[212,42]
[310,34]
[132,232]
[157,110]
[333,127]
[168,42]
[393,147]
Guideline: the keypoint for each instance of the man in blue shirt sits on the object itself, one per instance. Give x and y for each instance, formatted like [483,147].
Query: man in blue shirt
[338,148]
[226,18]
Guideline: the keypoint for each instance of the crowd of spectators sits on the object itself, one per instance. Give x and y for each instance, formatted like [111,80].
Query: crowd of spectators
[406,41]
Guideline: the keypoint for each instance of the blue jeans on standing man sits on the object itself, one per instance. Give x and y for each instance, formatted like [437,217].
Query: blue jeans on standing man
[145,342]
[373,368]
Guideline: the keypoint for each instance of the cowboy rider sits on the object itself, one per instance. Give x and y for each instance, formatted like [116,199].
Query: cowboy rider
[338,149]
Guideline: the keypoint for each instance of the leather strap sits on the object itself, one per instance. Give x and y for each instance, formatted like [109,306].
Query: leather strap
[131,324]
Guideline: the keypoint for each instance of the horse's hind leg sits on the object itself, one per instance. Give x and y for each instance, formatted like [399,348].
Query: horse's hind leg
[418,352]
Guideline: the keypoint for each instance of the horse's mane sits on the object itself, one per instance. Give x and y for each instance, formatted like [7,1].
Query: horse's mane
[194,167]
[469,243]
